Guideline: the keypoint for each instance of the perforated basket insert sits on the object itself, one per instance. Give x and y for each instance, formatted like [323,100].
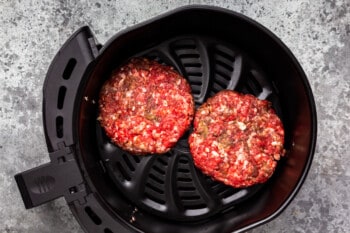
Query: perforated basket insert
[169,185]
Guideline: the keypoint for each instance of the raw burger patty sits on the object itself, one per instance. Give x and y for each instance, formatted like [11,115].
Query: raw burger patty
[237,139]
[145,107]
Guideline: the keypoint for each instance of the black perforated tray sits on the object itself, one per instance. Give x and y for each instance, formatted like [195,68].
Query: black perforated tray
[169,185]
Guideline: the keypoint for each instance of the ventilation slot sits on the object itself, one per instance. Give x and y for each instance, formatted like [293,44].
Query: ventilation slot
[216,88]
[159,170]
[189,196]
[225,54]
[274,99]
[156,188]
[223,63]
[189,56]
[129,163]
[160,166]
[184,45]
[184,179]
[69,69]
[191,65]
[224,191]
[252,85]
[155,192]
[184,170]
[155,185]
[196,84]
[156,179]
[93,216]
[193,73]
[214,184]
[187,52]
[136,159]
[61,95]
[107,230]
[191,200]
[183,160]
[186,188]
[125,166]
[163,160]
[122,173]
[221,79]
[59,127]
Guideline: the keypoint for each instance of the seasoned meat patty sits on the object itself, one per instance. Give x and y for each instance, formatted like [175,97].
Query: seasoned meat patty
[237,139]
[145,107]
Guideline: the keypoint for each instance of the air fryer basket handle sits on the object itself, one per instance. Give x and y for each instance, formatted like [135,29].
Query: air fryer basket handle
[62,176]
[62,82]
[47,182]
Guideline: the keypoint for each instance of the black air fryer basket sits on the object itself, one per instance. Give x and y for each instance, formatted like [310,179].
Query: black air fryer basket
[109,190]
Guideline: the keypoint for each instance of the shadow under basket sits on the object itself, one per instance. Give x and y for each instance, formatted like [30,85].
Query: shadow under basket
[109,190]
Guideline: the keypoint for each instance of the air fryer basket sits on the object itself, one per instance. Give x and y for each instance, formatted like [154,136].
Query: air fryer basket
[113,191]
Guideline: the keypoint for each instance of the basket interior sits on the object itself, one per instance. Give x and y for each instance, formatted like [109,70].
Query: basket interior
[165,193]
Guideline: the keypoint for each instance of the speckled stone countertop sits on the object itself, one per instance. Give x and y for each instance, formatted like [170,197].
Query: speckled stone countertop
[317,32]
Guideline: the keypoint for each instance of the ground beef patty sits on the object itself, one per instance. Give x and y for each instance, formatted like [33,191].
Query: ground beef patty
[237,139]
[145,107]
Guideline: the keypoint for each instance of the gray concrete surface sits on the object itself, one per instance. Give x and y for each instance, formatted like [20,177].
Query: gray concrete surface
[317,32]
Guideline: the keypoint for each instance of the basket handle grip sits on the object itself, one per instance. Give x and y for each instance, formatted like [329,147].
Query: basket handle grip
[48,182]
